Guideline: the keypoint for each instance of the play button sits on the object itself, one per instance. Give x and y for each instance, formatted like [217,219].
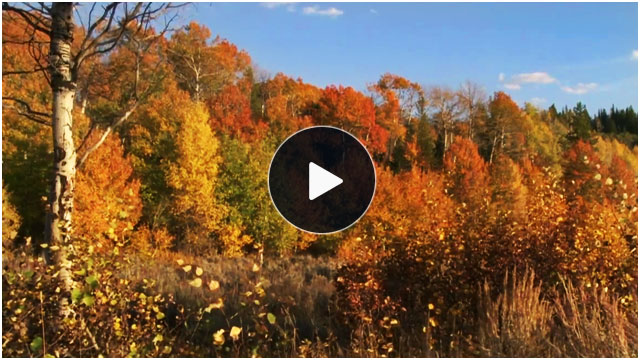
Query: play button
[322,179]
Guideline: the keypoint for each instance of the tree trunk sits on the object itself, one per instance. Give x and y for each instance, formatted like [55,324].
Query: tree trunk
[493,149]
[445,145]
[58,222]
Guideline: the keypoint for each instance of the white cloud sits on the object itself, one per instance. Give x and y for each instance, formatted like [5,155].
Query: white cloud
[534,77]
[538,101]
[373,11]
[315,10]
[516,81]
[272,5]
[634,54]
[580,89]
[291,8]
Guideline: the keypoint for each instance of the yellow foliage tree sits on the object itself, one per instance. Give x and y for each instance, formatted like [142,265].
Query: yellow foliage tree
[193,177]
[10,221]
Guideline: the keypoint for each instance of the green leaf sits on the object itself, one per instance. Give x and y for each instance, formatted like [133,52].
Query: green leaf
[92,281]
[87,300]
[28,274]
[36,344]
[76,295]
[80,272]
[271,318]
[11,278]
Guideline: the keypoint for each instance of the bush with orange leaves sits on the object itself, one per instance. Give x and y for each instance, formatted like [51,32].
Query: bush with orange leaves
[108,203]
[466,171]
[396,255]
[429,240]
[603,248]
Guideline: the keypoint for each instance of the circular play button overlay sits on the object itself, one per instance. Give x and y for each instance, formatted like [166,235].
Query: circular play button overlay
[322,179]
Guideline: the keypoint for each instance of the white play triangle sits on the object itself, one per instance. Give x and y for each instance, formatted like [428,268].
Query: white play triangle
[321,181]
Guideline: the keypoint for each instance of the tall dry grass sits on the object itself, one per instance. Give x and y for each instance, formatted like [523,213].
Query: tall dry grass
[573,321]
[518,322]
[592,323]
[519,317]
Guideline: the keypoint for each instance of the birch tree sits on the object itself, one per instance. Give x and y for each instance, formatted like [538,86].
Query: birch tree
[445,111]
[60,60]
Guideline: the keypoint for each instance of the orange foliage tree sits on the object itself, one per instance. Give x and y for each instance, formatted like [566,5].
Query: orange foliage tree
[466,170]
[283,103]
[504,128]
[231,110]
[108,197]
[203,66]
[351,110]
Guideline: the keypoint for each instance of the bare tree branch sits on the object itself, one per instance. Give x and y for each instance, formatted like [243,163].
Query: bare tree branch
[106,133]
[35,22]
[20,72]
[26,111]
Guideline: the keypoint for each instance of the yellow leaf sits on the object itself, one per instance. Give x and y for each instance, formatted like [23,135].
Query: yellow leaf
[197,282]
[218,337]
[187,268]
[256,268]
[216,305]
[214,285]
[433,322]
[235,333]
[180,262]
[199,271]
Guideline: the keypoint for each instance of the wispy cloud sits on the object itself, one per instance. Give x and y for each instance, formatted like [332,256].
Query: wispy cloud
[373,11]
[290,6]
[516,81]
[535,78]
[538,101]
[580,88]
[316,10]
[272,5]
[634,54]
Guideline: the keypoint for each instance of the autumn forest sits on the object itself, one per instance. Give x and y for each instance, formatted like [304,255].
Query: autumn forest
[136,218]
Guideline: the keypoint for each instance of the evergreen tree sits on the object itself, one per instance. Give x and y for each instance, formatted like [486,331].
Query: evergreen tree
[580,123]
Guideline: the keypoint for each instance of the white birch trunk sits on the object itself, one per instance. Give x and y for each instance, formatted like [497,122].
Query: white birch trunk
[58,224]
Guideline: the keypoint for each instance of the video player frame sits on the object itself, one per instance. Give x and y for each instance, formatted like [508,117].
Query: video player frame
[319,179]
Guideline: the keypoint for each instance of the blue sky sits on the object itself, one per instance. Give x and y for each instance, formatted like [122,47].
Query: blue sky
[545,53]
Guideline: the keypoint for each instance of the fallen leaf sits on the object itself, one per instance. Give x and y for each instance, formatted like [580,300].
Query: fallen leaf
[235,333]
[214,285]
[197,282]
[218,337]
